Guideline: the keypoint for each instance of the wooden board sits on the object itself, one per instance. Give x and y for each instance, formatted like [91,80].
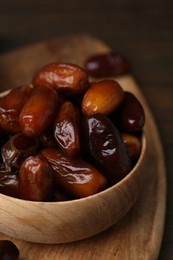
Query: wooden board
[139,234]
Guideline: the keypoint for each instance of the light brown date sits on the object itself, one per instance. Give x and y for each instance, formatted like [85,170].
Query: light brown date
[36,179]
[102,97]
[66,129]
[39,111]
[66,78]
[11,106]
[73,175]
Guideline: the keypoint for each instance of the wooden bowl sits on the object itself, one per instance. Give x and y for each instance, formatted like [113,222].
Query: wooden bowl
[62,222]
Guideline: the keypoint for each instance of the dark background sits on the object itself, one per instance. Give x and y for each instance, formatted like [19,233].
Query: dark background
[141,30]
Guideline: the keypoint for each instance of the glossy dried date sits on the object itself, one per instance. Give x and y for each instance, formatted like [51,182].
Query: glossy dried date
[36,179]
[39,111]
[9,184]
[133,146]
[130,116]
[102,97]
[66,129]
[74,176]
[66,78]
[11,106]
[106,65]
[106,147]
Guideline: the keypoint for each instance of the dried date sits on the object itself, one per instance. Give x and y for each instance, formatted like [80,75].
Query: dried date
[66,129]
[36,179]
[106,147]
[107,65]
[73,175]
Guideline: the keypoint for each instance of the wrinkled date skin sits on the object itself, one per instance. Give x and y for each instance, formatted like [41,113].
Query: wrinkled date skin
[36,179]
[129,117]
[105,145]
[11,106]
[107,65]
[39,111]
[17,149]
[66,78]
[66,129]
[102,97]
[73,175]
[8,250]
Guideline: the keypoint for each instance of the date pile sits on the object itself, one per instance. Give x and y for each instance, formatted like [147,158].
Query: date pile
[64,137]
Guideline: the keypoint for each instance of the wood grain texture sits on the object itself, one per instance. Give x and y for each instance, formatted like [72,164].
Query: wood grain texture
[138,235]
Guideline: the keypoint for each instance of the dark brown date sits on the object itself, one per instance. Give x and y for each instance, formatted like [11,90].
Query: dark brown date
[4,137]
[11,106]
[47,139]
[133,146]
[61,196]
[130,116]
[8,250]
[9,184]
[106,147]
[66,129]
[36,179]
[1,130]
[106,65]
[66,78]
[17,149]
[39,111]
[73,175]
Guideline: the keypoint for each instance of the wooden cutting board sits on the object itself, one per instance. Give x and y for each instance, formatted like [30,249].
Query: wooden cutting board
[138,235]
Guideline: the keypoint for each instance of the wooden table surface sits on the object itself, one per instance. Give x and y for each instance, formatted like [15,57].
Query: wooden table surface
[141,30]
